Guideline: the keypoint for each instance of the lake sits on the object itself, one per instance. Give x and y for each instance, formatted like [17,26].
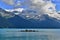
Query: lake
[42,34]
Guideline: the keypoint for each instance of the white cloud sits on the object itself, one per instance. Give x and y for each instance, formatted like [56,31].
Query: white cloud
[41,8]
[10,2]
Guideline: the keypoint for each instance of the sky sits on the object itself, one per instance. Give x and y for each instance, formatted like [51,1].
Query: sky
[5,6]
[57,2]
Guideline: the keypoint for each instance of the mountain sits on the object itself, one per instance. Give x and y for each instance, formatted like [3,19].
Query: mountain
[5,13]
[18,22]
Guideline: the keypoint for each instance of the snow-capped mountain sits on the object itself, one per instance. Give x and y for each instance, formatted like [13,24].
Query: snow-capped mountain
[5,13]
[20,20]
[25,13]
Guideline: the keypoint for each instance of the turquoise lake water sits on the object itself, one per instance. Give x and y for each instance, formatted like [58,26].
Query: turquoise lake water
[14,34]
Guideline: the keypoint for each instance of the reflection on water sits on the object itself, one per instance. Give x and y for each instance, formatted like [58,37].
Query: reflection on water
[14,34]
[25,38]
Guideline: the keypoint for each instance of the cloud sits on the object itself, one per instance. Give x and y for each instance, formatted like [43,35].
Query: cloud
[10,2]
[41,7]
[13,3]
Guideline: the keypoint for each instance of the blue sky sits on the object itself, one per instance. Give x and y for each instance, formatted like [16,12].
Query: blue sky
[4,6]
[57,2]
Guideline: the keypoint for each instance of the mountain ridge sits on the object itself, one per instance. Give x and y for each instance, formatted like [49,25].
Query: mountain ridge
[19,22]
